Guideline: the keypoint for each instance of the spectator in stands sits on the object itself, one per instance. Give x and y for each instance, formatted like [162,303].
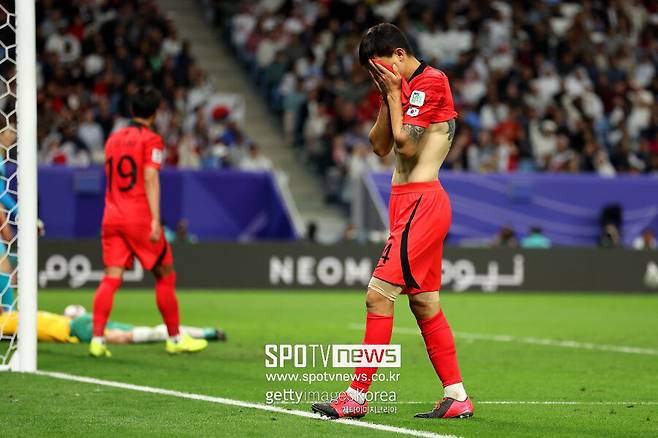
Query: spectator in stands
[536,239]
[506,238]
[647,240]
[312,232]
[91,134]
[89,54]
[602,164]
[183,233]
[544,141]
[610,237]
[561,160]
[558,86]
[170,235]
[350,233]
[255,160]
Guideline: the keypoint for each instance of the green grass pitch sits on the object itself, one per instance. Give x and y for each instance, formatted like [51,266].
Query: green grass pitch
[610,393]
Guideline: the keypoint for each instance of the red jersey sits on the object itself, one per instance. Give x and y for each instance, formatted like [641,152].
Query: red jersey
[429,100]
[128,152]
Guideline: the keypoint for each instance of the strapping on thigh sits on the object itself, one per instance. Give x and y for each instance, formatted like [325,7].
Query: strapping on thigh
[388,290]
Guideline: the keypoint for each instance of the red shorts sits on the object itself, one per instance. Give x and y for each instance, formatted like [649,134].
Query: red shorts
[419,219]
[122,243]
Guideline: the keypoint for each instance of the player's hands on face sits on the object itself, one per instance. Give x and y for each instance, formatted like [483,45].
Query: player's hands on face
[375,80]
[390,82]
[156,231]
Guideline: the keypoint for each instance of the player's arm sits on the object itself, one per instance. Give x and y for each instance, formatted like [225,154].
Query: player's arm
[406,136]
[153,155]
[381,134]
[113,336]
[152,189]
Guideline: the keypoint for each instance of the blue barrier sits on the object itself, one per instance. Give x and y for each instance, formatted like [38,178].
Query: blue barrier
[219,205]
[566,207]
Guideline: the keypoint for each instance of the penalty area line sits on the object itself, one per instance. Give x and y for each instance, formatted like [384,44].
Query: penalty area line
[531,341]
[237,403]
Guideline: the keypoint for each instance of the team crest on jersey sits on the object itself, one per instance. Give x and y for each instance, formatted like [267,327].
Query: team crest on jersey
[413,111]
[417,98]
[156,156]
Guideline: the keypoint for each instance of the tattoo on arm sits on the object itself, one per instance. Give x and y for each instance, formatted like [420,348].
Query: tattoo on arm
[414,132]
[451,130]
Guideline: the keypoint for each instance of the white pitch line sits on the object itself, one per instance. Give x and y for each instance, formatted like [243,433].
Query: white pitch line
[568,403]
[523,402]
[239,403]
[532,341]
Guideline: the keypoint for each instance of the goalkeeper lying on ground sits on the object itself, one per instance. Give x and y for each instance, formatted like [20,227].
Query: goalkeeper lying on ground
[75,326]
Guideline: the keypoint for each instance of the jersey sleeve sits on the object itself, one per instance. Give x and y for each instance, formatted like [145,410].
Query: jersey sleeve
[153,151]
[430,102]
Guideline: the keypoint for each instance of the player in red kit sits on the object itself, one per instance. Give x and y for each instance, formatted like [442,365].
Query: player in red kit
[131,224]
[417,120]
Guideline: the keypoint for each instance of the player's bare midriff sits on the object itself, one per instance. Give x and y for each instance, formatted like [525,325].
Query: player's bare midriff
[424,166]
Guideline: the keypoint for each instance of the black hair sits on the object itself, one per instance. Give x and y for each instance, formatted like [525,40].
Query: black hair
[145,102]
[382,40]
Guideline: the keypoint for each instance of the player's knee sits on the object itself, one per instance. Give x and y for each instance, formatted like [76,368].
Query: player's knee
[114,272]
[424,306]
[378,304]
[163,270]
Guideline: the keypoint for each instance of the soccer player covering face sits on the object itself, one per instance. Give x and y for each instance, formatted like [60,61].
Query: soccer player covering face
[416,120]
[131,224]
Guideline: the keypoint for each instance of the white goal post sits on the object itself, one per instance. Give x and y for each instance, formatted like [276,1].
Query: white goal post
[24,359]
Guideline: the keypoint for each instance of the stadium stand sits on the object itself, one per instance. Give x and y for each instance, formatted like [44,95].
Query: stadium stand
[92,55]
[540,86]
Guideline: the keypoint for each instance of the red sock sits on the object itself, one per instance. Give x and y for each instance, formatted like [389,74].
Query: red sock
[165,296]
[441,348]
[103,303]
[378,331]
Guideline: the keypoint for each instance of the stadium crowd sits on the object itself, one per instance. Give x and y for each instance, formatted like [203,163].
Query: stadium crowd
[539,85]
[93,54]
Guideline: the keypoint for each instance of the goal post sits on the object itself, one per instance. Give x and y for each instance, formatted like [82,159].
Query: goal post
[25,357]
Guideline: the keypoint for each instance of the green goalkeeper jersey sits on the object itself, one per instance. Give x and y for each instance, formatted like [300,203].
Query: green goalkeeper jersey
[82,327]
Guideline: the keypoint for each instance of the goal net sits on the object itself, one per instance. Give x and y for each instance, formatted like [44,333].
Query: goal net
[18,216]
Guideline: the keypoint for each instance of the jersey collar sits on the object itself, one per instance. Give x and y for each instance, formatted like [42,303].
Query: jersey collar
[419,70]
